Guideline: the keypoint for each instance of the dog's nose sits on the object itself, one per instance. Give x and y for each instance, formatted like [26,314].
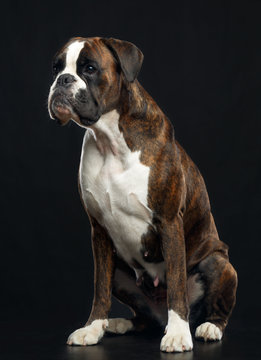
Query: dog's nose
[65,80]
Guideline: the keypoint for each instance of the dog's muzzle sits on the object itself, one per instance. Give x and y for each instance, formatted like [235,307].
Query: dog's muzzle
[60,104]
[66,104]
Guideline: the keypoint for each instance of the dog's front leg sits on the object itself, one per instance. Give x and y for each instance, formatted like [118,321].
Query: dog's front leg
[178,336]
[94,329]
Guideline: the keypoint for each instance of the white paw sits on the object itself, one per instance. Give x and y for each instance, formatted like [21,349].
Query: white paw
[88,335]
[119,326]
[178,337]
[177,342]
[208,332]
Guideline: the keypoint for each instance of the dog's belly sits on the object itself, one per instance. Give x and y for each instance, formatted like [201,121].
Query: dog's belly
[115,193]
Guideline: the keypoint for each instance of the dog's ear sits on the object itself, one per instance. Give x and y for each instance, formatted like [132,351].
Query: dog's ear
[128,55]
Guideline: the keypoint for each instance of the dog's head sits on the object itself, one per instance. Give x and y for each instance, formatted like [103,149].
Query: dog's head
[88,77]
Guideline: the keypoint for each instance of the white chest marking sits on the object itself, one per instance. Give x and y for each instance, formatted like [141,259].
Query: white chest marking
[114,186]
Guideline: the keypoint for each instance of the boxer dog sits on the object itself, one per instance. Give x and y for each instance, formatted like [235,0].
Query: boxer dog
[155,243]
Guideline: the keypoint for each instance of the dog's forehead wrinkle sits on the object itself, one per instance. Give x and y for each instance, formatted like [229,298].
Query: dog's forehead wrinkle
[81,49]
[95,49]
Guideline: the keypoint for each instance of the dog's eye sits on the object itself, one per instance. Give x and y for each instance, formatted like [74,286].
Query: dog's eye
[89,69]
[56,68]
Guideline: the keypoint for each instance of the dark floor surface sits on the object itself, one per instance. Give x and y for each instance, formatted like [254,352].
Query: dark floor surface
[48,342]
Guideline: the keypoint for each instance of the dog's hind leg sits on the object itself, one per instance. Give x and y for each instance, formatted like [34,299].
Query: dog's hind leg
[119,325]
[147,314]
[220,280]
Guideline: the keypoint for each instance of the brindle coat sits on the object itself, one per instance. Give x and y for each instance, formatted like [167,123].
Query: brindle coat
[183,232]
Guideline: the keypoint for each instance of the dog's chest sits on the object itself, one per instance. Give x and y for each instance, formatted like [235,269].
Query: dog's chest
[114,186]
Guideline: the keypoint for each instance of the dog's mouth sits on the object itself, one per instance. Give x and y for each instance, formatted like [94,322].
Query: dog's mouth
[63,108]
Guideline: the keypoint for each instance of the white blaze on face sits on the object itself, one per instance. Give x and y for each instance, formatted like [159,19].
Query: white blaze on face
[72,55]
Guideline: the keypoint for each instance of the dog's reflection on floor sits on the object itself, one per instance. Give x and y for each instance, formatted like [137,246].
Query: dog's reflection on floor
[202,351]
[97,352]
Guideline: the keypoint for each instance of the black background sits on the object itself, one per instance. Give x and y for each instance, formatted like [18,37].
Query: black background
[203,67]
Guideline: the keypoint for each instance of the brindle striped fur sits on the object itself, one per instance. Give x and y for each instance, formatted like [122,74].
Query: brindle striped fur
[184,232]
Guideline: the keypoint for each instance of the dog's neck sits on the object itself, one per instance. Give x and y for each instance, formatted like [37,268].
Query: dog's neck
[107,134]
[137,103]
[116,130]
